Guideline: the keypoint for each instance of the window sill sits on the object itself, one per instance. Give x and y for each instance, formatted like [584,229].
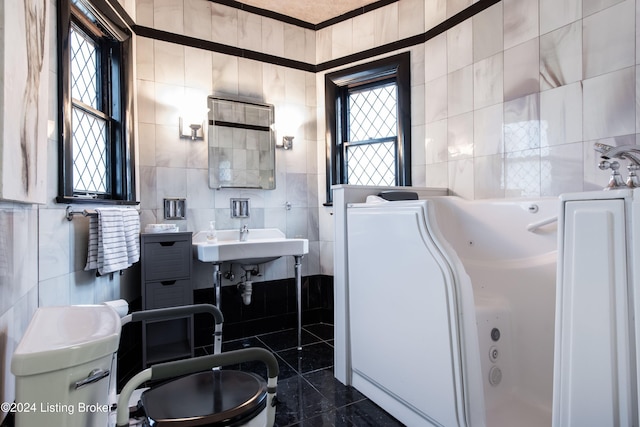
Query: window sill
[87,200]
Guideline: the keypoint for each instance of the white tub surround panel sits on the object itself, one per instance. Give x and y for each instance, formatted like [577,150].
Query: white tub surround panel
[596,291]
[499,273]
[343,195]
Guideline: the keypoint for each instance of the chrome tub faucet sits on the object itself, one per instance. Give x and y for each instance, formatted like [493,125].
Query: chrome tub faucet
[626,152]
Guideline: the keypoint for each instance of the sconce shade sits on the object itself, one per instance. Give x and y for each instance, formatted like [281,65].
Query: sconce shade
[287,143]
[193,131]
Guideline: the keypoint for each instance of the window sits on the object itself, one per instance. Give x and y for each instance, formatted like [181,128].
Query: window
[368,110]
[96,134]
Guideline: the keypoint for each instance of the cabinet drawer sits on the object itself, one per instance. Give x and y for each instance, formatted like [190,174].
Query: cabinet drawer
[168,293]
[167,260]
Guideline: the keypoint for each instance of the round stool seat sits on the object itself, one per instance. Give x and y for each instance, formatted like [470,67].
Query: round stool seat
[211,398]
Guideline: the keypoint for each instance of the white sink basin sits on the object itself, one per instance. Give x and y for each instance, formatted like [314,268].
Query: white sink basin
[262,245]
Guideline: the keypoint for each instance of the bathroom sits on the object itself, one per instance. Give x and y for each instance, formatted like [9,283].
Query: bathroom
[505,104]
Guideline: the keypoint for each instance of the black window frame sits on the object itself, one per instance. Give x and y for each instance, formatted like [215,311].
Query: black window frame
[115,42]
[337,86]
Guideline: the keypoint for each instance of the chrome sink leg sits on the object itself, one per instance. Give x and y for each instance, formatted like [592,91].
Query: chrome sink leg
[217,284]
[298,273]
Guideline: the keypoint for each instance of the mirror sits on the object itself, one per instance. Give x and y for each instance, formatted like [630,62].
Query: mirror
[241,144]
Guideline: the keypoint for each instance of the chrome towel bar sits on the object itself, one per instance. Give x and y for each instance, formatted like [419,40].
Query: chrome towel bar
[86,212]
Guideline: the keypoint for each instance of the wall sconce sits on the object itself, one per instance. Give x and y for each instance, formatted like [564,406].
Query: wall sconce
[193,131]
[286,143]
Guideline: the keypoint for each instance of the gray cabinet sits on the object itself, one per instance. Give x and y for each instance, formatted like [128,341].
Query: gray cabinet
[166,282]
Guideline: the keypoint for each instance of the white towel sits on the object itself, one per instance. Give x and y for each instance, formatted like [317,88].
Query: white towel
[113,240]
[131,221]
[92,252]
[112,246]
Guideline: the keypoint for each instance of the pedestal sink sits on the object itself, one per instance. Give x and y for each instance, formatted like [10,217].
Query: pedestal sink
[260,246]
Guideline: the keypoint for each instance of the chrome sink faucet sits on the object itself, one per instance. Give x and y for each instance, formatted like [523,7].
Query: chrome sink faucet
[244,233]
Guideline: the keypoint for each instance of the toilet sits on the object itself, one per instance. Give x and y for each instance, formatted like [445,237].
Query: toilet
[213,398]
[65,370]
[65,367]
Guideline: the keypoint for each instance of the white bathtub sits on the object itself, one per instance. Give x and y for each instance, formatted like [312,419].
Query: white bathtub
[428,281]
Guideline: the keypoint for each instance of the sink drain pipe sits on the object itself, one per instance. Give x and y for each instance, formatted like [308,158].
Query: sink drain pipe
[246,288]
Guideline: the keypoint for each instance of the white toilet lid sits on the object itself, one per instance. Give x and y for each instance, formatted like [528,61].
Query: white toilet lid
[60,337]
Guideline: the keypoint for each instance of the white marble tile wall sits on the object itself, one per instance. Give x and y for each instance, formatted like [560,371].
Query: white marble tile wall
[42,255]
[18,283]
[509,103]
[537,82]
[172,76]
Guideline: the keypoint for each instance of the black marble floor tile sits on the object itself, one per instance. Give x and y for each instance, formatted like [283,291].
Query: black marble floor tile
[242,343]
[287,339]
[286,371]
[311,358]
[366,413]
[360,414]
[332,389]
[308,393]
[322,330]
[331,418]
[297,401]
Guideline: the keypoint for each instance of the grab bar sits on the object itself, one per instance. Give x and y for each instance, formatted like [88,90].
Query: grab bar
[535,225]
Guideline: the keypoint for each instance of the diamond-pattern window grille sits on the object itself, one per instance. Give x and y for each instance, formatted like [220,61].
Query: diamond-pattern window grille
[90,168]
[372,164]
[370,154]
[84,68]
[90,151]
[373,113]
